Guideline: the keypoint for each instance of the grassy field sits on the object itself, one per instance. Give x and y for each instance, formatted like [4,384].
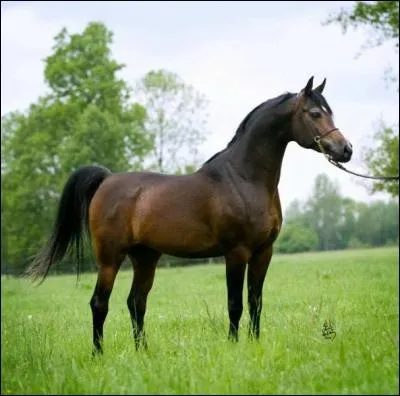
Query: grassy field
[46,332]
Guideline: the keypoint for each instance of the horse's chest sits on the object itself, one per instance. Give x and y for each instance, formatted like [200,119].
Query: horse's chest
[271,227]
[266,225]
[258,222]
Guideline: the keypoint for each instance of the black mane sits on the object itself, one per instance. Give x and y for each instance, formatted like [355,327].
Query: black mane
[265,106]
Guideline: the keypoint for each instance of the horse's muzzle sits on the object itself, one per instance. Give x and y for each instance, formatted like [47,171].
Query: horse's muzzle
[339,151]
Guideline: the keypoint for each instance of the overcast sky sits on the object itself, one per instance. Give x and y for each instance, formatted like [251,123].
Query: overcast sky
[238,54]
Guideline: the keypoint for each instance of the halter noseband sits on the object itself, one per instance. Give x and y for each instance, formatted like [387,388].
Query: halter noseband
[317,138]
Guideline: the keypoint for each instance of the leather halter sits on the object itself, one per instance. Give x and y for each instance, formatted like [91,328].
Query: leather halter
[317,138]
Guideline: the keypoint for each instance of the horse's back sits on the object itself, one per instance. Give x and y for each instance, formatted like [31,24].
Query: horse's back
[171,213]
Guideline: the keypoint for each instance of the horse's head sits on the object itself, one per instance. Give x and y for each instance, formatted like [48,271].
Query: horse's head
[313,126]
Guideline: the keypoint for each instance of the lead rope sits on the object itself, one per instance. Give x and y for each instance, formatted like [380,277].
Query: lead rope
[317,140]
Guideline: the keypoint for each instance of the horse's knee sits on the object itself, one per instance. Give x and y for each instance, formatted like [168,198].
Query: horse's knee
[99,306]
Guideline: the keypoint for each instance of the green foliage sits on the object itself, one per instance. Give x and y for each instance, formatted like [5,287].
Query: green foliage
[378,223]
[85,119]
[29,181]
[176,119]
[186,169]
[294,211]
[323,210]
[338,222]
[295,238]
[355,243]
[46,332]
[381,16]
[81,69]
[100,138]
[384,159]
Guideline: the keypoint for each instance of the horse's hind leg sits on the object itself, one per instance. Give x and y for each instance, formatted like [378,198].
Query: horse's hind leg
[109,264]
[144,261]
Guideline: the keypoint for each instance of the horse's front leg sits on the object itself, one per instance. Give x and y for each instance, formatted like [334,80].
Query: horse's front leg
[256,272]
[235,270]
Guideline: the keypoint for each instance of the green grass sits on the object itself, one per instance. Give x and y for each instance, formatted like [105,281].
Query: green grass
[46,332]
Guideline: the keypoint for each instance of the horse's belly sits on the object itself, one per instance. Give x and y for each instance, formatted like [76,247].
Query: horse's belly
[176,234]
[190,253]
[179,245]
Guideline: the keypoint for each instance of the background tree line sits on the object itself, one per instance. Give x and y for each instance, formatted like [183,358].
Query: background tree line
[89,115]
[329,221]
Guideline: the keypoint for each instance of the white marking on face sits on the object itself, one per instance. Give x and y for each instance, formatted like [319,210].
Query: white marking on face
[323,108]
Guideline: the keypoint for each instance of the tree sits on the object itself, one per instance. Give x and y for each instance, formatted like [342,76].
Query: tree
[347,224]
[81,69]
[323,212]
[86,118]
[384,159]
[296,238]
[81,74]
[382,17]
[295,213]
[378,223]
[28,182]
[100,138]
[176,120]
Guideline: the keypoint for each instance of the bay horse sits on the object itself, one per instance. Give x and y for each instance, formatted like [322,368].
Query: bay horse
[229,207]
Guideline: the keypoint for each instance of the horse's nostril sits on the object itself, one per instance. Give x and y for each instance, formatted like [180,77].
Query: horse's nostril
[348,151]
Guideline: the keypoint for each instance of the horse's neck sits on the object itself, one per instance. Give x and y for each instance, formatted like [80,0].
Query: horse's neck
[260,160]
[257,154]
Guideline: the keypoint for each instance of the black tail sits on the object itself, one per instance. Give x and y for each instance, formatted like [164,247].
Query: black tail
[71,221]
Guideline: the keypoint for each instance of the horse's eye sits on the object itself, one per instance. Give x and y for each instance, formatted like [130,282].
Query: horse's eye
[315,113]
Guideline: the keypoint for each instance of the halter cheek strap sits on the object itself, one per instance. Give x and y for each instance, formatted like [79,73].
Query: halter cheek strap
[317,138]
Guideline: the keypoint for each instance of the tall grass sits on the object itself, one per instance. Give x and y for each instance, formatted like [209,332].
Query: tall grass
[46,332]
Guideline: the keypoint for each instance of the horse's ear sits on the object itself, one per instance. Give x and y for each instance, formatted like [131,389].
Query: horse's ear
[307,90]
[321,87]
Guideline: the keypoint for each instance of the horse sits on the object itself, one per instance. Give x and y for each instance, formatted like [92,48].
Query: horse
[229,207]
